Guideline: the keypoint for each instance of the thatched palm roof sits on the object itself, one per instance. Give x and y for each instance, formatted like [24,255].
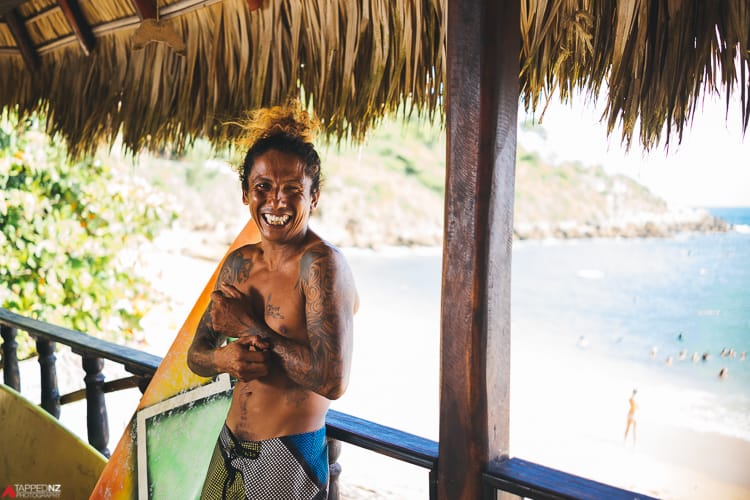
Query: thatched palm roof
[87,63]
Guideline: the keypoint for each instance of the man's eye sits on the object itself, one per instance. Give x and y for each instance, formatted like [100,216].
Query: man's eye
[262,186]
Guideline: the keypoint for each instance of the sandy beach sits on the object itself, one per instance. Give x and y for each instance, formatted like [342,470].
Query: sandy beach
[579,431]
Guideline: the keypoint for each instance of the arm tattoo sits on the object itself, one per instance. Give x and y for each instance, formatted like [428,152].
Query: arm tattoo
[236,269]
[323,366]
[206,340]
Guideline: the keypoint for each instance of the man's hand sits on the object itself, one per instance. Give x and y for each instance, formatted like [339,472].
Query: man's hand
[231,314]
[246,359]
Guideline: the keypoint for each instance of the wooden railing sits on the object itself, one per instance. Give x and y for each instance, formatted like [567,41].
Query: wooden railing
[93,352]
[511,475]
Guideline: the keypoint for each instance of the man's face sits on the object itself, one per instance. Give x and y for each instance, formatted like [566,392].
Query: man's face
[279,196]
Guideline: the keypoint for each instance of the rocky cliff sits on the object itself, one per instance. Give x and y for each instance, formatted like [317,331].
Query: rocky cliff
[390,191]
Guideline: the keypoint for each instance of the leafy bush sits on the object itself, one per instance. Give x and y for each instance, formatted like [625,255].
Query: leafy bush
[68,231]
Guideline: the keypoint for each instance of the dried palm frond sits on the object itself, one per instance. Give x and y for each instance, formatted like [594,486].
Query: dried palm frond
[354,61]
[656,58]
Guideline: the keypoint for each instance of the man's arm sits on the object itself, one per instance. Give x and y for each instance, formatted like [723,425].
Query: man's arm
[244,359]
[330,301]
[203,348]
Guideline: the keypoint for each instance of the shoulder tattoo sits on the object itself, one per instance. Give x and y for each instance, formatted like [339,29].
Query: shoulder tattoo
[236,268]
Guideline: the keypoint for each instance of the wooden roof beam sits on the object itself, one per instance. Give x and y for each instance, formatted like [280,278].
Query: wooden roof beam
[146,9]
[9,5]
[78,23]
[23,40]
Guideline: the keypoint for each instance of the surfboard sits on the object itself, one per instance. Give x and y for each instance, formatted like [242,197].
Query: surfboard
[165,449]
[40,457]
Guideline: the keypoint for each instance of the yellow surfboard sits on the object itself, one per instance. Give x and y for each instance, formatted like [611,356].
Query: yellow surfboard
[40,456]
[165,449]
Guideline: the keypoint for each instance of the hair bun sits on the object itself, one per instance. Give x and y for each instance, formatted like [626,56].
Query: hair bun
[289,119]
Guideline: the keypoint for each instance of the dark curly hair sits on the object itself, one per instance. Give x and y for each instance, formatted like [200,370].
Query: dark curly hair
[286,143]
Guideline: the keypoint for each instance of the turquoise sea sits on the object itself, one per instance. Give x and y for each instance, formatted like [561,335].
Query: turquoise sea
[654,306]
[648,306]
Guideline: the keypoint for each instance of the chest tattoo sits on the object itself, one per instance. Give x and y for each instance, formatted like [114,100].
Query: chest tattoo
[273,311]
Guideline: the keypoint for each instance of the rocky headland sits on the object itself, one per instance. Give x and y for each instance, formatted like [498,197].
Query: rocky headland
[390,192]
[639,225]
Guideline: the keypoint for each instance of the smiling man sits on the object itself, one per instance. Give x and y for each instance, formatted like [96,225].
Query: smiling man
[289,302]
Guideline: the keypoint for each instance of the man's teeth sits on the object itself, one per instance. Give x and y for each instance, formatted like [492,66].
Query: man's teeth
[276,220]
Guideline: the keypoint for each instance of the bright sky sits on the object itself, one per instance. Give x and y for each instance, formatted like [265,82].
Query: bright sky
[710,168]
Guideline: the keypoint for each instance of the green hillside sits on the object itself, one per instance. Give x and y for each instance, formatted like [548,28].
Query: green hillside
[389,191]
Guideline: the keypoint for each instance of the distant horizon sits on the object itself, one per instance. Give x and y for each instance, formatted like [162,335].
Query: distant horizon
[709,168]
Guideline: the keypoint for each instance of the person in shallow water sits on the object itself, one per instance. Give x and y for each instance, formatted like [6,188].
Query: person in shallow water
[289,302]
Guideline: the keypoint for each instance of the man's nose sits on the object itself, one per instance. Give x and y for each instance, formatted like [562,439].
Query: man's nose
[278,197]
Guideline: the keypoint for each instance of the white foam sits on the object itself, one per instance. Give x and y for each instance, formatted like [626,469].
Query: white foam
[590,274]
[709,312]
[699,410]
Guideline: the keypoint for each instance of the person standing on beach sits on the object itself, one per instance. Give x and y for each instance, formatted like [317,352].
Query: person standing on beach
[631,417]
[289,302]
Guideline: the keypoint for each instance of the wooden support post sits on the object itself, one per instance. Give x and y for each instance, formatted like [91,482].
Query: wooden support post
[78,24]
[334,468]
[97,423]
[50,392]
[23,40]
[11,376]
[481,109]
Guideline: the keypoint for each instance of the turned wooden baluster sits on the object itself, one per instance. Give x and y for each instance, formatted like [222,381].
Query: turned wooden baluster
[334,469]
[50,392]
[433,479]
[11,376]
[143,381]
[97,423]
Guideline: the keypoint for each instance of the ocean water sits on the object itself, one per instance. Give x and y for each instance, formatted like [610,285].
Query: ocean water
[647,306]
[652,306]
[738,216]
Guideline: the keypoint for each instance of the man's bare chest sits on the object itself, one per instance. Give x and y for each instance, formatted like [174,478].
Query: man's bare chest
[276,296]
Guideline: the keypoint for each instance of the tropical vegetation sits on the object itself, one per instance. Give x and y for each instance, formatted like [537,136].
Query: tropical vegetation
[68,231]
